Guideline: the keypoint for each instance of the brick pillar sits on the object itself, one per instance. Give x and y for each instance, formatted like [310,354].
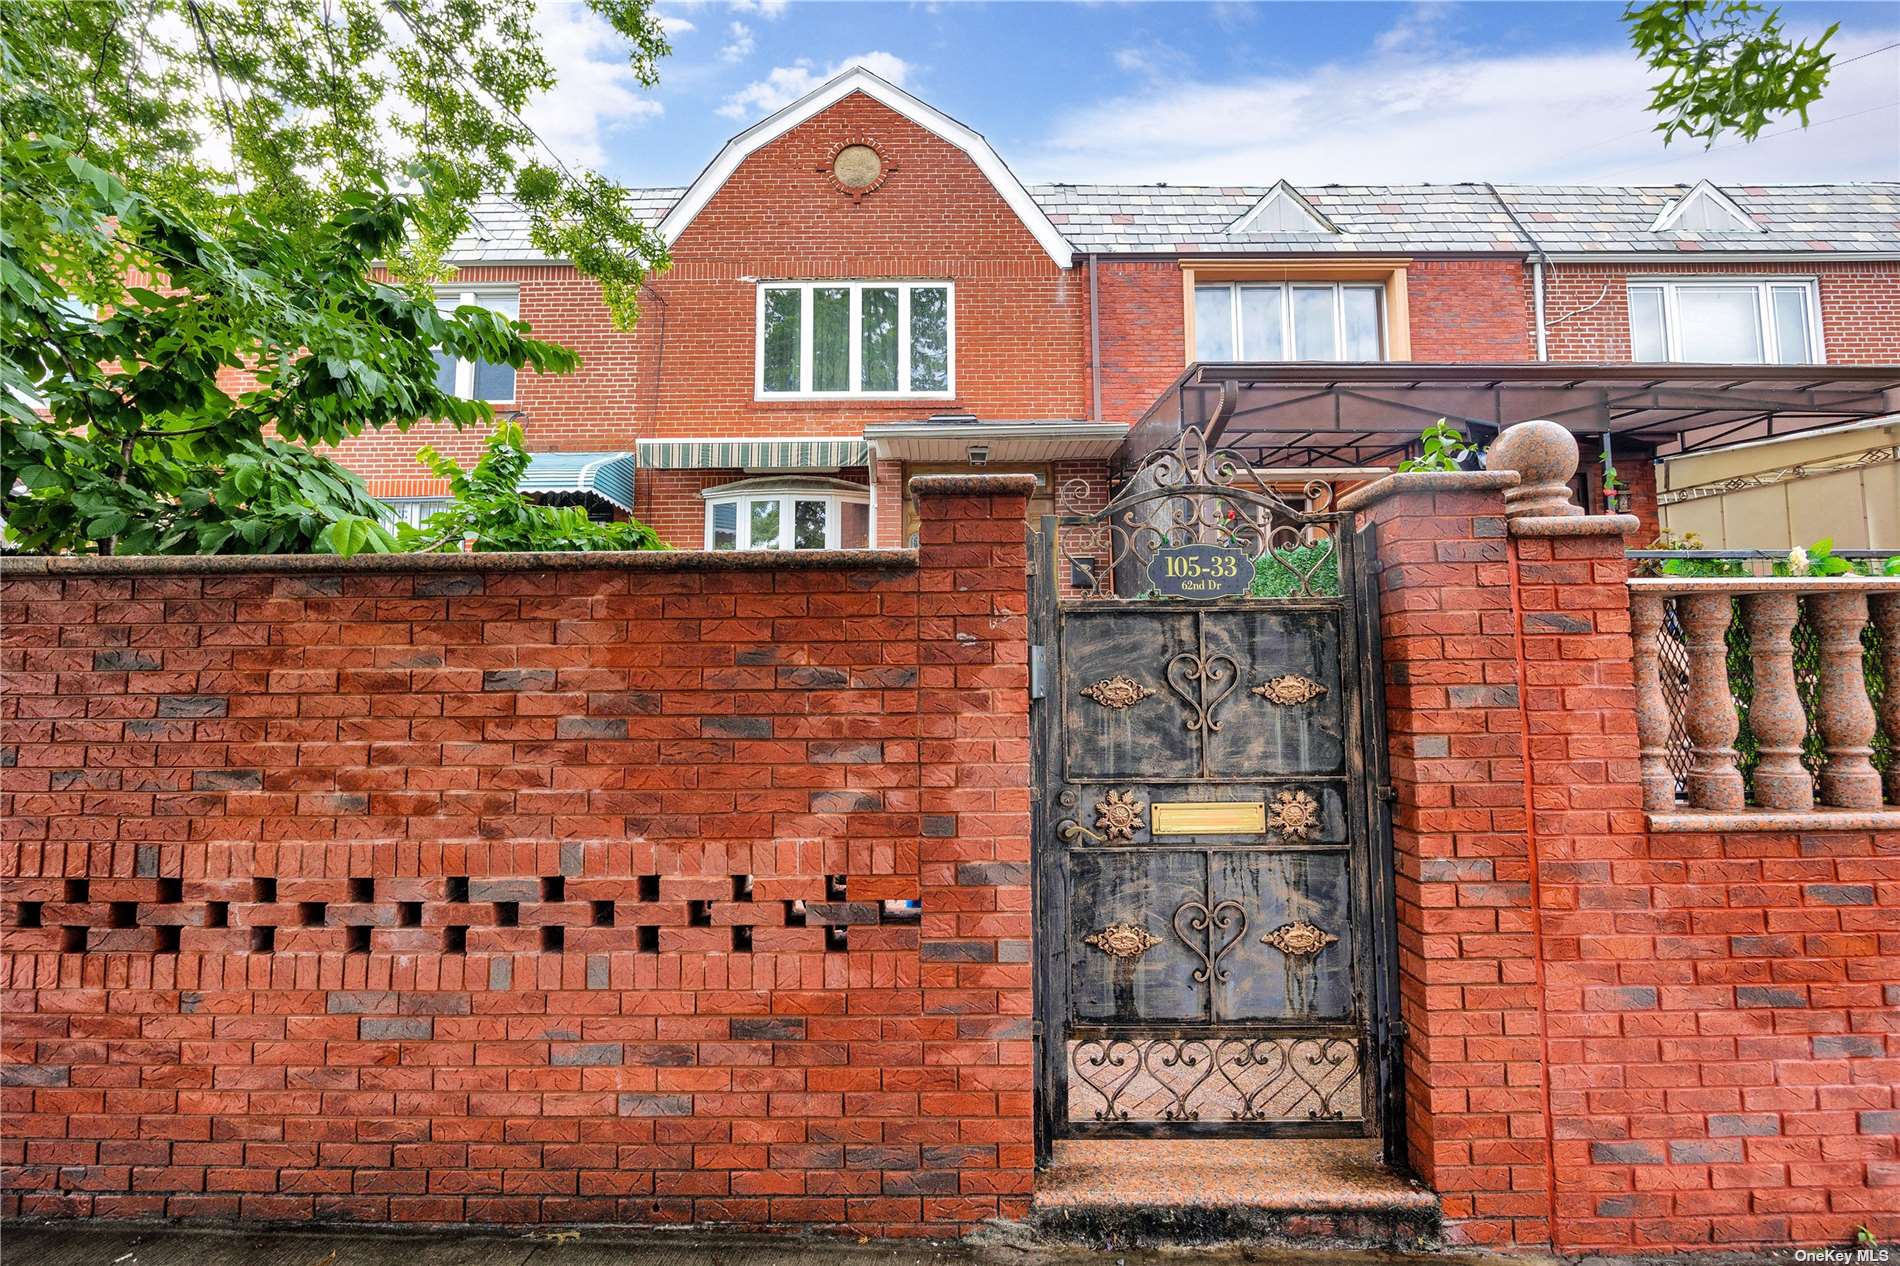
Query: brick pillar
[887,478]
[1475,1116]
[973,703]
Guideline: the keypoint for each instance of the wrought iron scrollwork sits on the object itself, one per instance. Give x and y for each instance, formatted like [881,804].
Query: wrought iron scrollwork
[1118,815]
[1195,493]
[1202,925]
[1261,1078]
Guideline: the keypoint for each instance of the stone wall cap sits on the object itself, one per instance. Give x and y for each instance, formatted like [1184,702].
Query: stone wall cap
[1407,481]
[593,560]
[1575,525]
[1698,820]
[999,485]
[1764,584]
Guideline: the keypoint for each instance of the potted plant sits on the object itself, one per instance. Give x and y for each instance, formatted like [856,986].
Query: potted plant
[1616,493]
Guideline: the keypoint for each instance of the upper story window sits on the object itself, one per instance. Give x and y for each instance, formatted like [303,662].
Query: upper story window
[477,379]
[793,513]
[820,339]
[1289,321]
[1725,322]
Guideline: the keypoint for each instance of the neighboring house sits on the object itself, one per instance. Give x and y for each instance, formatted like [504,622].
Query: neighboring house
[862,290]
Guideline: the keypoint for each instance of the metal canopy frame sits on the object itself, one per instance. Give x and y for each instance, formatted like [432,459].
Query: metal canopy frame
[1311,414]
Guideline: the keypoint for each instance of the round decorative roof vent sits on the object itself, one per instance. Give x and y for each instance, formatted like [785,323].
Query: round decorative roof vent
[857,166]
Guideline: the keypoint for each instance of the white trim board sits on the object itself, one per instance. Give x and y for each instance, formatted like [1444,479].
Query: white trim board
[829,93]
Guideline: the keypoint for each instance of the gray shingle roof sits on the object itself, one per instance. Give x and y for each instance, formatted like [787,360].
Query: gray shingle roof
[500,231]
[1384,219]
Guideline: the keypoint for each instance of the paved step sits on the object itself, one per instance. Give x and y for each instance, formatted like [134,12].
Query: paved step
[1138,1193]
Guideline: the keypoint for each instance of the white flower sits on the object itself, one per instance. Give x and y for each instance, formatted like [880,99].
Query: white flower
[1797,561]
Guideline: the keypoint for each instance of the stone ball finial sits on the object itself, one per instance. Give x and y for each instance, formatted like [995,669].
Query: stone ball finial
[1545,457]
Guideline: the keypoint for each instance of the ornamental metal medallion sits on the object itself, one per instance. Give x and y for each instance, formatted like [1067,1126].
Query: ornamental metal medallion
[1123,940]
[1117,692]
[1293,815]
[1289,690]
[1118,815]
[1300,939]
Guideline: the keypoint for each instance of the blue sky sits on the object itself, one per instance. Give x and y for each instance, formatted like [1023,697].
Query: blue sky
[1227,93]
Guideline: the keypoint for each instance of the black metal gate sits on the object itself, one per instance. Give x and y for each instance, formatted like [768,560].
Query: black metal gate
[1213,882]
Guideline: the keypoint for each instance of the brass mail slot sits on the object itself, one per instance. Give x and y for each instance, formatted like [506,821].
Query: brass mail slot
[1192,817]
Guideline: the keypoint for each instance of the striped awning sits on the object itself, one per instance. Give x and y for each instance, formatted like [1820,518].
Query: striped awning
[770,454]
[608,476]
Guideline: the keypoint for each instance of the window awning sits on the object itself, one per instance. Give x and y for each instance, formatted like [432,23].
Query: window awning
[1315,414]
[608,476]
[790,453]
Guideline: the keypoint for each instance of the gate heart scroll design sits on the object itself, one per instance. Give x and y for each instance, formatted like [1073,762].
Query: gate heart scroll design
[1213,678]
[1222,916]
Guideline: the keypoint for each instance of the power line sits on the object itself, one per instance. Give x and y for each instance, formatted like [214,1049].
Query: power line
[1623,136]
[1769,136]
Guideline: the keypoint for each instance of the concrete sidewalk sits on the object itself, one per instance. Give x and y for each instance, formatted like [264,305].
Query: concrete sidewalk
[67,1244]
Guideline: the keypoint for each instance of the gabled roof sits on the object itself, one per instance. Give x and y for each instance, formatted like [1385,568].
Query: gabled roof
[827,94]
[1280,208]
[1705,198]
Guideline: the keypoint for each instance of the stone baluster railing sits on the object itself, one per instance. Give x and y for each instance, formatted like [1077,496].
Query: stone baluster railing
[1702,699]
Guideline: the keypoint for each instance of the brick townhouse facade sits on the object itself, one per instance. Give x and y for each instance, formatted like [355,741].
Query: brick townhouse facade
[1032,325]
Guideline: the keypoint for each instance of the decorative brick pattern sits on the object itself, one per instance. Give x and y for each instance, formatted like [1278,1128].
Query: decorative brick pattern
[649,895]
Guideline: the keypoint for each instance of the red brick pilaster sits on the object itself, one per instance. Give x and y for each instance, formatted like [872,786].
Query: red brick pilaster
[973,706]
[1475,1113]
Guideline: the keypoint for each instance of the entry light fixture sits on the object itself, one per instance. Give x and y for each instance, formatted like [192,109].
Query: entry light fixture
[979,454]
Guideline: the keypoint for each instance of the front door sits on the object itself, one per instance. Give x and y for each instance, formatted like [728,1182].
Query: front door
[1210,957]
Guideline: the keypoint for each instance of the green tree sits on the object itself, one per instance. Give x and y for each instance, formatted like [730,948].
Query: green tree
[1725,66]
[274,111]
[487,512]
[123,323]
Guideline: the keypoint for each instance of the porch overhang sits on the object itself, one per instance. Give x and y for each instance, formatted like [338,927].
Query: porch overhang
[953,439]
[1309,415]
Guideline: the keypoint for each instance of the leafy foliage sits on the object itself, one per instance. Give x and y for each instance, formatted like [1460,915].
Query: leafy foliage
[273,111]
[1445,448]
[133,328]
[1273,577]
[489,513]
[1725,66]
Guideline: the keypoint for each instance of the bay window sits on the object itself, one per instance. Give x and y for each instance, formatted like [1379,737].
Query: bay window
[476,380]
[1283,321]
[1725,321]
[790,514]
[819,339]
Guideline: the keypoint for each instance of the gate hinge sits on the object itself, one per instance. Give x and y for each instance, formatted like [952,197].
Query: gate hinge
[1395,1035]
[1386,793]
[1038,671]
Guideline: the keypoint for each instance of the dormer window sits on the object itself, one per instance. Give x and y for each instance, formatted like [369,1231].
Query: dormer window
[1283,210]
[1704,209]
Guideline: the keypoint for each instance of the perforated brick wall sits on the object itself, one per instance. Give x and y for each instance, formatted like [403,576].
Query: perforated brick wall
[450,891]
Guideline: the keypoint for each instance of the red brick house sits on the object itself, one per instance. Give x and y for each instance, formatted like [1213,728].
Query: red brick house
[862,290]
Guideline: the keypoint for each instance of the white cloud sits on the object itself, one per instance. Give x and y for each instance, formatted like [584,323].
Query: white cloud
[786,84]
[595,92]
[739,43]
[767,9]
[1401,115]
[676,26]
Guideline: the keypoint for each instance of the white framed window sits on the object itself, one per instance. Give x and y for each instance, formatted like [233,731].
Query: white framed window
[477,379]
[1726,321]
[789,514]
[837,339]
[413,510]
[1244,320]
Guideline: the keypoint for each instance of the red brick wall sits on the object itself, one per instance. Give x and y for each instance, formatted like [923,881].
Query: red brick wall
[579,769]
[1622,1040]
[1586,306]
[1469,309]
